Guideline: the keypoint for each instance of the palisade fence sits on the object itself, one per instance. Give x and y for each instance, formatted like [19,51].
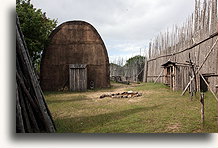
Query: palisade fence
[197,38]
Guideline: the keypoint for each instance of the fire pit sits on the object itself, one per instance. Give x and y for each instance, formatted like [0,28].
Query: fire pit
[129,94]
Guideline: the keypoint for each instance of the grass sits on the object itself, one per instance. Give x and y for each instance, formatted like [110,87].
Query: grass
[159,110]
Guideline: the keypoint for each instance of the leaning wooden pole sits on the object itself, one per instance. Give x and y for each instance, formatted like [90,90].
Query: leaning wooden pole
[32,113]
[215,96]
[159,76]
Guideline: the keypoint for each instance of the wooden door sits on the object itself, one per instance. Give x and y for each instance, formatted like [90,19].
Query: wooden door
[77,77]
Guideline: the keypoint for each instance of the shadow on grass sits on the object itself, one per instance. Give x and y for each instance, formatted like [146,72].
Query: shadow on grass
[152,86]
[82,124]
[69,100]
[111,88]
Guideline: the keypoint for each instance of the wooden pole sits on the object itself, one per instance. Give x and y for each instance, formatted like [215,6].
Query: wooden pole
[19,117]
[191,91]
[146,72]
[33,114]
[189,48]
[194,75]
[159,76]
[202,108]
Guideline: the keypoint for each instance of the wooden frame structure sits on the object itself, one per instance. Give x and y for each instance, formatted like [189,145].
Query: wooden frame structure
[173,74]
[196,40]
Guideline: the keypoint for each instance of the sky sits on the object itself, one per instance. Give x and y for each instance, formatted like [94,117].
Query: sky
[126,26]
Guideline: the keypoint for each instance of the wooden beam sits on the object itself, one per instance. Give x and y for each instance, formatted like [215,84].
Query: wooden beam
[189,48]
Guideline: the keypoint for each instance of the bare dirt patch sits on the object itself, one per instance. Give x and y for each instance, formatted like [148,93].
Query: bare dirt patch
[118,89]
[174,127]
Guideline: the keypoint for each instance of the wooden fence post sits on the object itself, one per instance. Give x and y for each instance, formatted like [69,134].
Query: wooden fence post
[202,107]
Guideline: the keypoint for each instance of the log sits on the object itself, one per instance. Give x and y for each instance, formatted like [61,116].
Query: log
[25,117]
[19,117]
[32,113]
[202,108]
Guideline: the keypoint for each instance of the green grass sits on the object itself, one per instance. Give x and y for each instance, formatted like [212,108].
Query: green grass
[159,110]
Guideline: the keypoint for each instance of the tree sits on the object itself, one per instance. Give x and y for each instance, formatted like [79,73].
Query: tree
[36,28]
[135,67]
[139,60]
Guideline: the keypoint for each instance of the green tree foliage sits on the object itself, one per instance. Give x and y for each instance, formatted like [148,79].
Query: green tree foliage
[36,28]
[136,60]
[115,65]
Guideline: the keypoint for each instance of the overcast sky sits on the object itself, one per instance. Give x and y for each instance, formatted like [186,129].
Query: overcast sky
[126,26]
